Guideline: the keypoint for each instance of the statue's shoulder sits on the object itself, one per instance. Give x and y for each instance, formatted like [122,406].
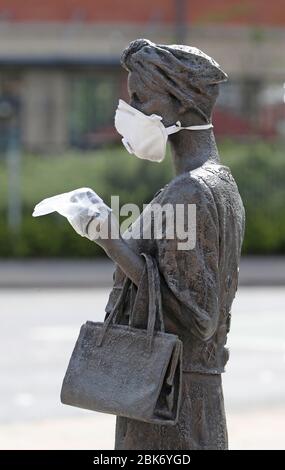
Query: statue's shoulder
[182,189]
[213,174]
[193,186]
[220,183]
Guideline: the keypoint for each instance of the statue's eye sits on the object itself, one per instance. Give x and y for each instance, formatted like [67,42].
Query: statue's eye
[136,98]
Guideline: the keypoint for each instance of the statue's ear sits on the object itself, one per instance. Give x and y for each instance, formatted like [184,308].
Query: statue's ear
[182,109]
[179,106]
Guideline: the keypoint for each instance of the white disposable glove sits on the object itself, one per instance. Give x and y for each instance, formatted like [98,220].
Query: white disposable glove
[81,207]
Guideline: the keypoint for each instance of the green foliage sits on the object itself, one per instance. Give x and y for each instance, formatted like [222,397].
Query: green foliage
[259,169]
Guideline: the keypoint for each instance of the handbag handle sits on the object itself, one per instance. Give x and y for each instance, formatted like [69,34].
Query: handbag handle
[153,292]
[115,311]
[154,302]
[154,296]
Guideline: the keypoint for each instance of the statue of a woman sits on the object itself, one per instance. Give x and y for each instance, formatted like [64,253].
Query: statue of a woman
[198,285]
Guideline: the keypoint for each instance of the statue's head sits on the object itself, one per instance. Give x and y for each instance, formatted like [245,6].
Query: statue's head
[174,81]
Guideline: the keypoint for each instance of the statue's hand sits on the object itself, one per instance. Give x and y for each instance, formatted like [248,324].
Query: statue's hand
[102,229]
[89,214]
[105,233]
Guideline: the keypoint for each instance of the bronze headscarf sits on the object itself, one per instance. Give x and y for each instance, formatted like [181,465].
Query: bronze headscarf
[185,72]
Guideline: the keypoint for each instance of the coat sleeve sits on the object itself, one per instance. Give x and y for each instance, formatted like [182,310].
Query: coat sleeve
[191,275]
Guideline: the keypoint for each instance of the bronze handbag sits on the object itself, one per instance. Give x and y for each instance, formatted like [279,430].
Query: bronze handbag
[127,371]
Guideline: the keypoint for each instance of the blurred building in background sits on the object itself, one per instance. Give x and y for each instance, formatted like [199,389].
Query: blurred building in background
[60,70]
[60,80]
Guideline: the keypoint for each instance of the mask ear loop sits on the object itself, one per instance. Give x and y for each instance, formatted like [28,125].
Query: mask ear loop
[178,127]
[173,129]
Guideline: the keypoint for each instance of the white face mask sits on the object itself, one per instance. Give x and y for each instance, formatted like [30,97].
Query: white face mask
[146,136]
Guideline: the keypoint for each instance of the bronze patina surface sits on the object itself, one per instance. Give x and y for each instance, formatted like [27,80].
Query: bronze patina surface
[197,285]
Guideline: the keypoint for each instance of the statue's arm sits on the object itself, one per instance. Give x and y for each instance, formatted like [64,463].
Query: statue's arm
[129,262]
[105,231]
[132,265]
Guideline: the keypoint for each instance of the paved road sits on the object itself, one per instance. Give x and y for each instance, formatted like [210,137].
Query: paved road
[39,328]
[254,271]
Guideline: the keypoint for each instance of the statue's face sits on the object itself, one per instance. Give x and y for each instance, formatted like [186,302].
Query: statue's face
[152,102]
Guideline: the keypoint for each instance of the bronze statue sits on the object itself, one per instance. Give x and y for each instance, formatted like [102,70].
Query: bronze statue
[198,285]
